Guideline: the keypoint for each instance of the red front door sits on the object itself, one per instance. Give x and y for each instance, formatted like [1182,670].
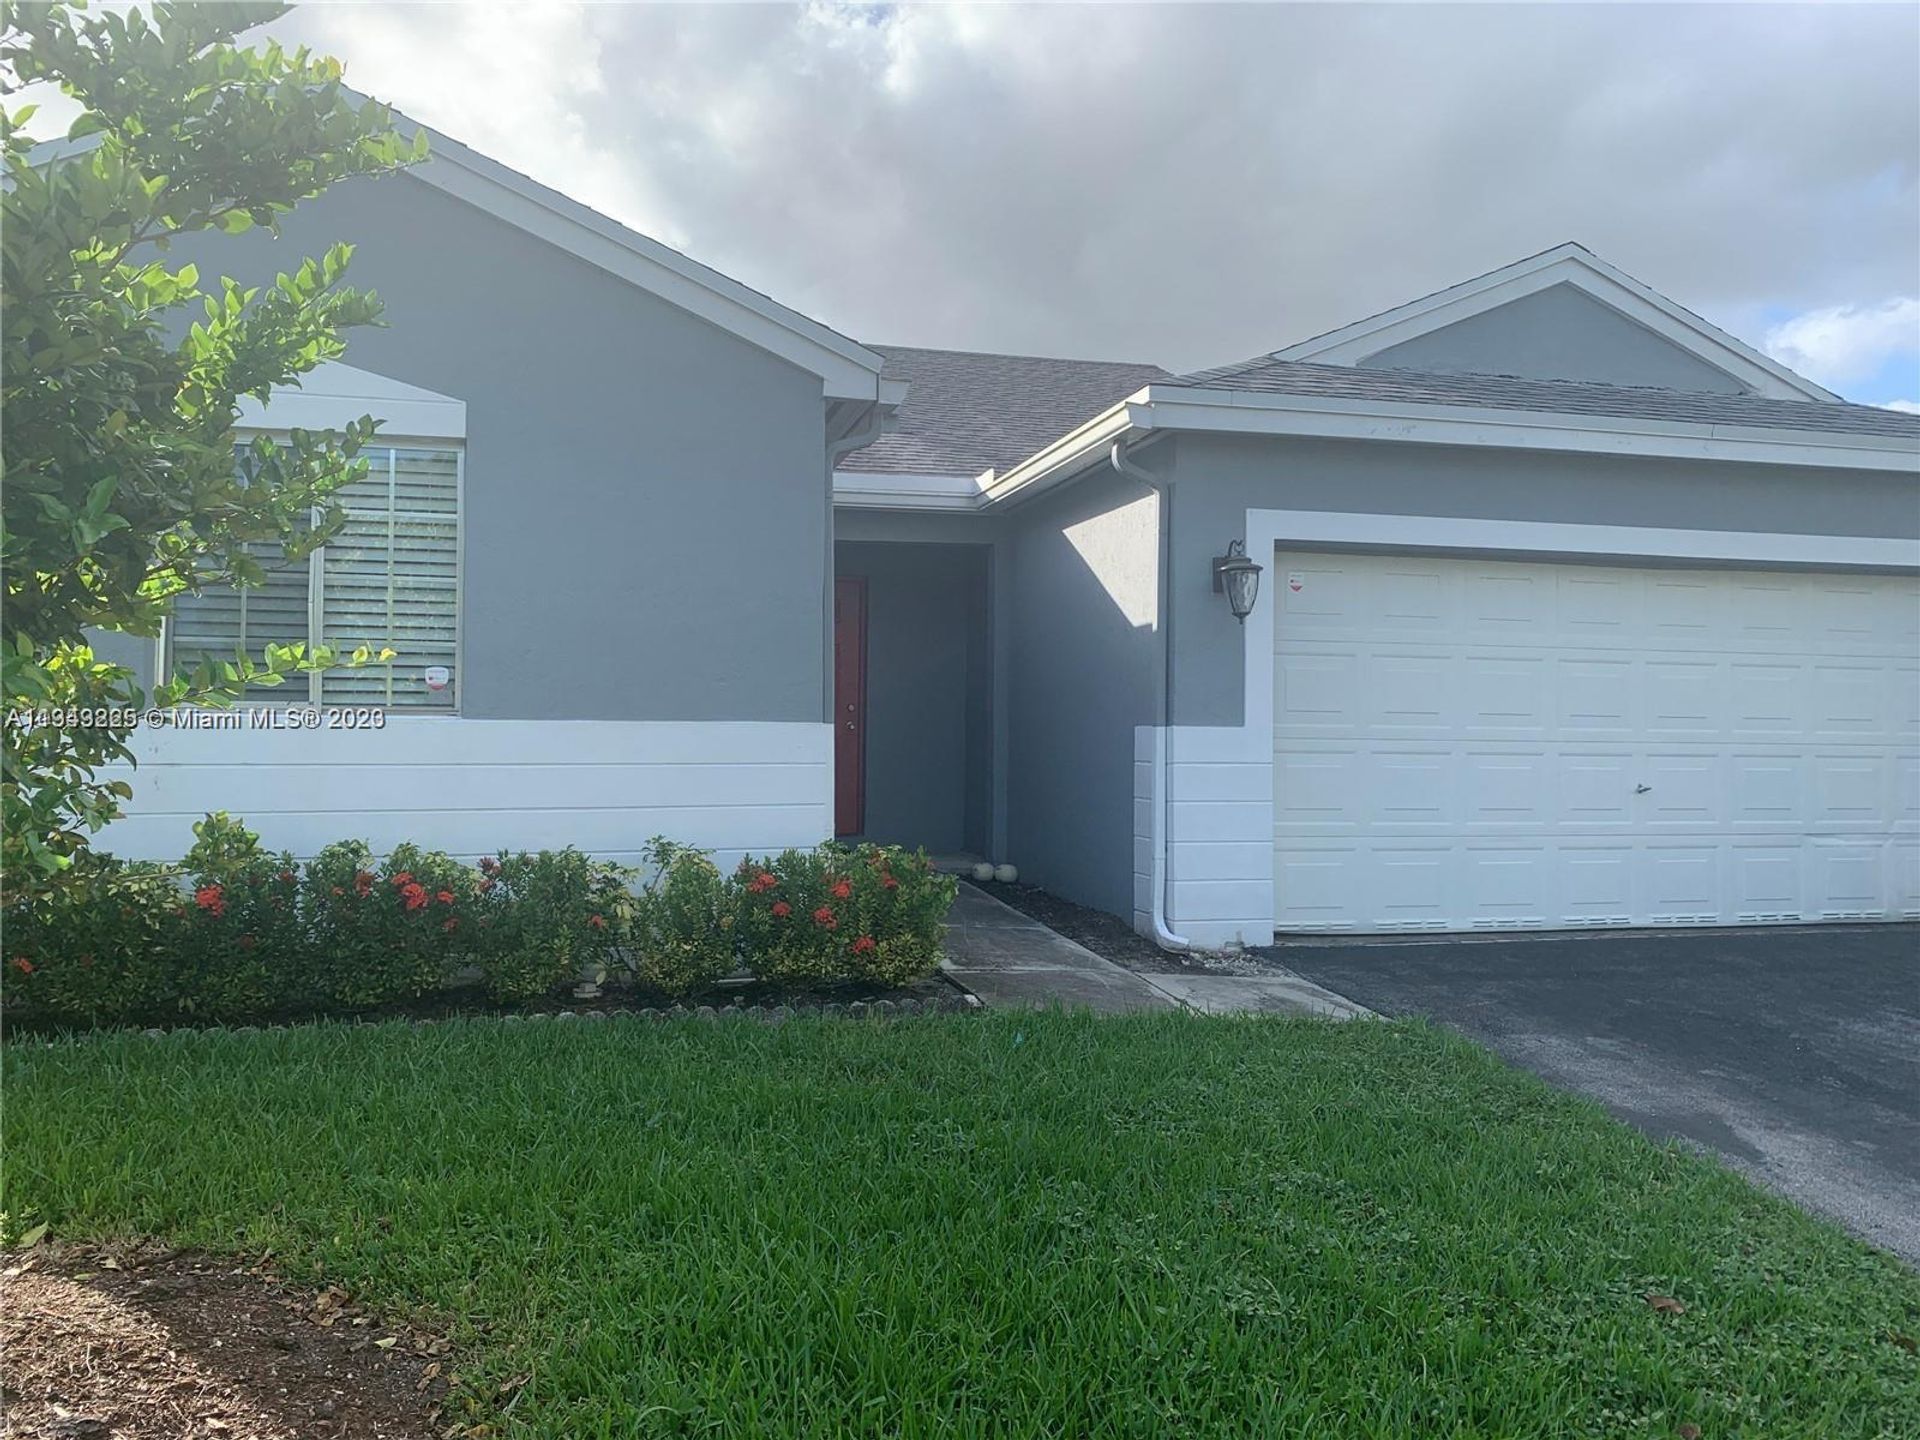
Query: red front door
[849,706]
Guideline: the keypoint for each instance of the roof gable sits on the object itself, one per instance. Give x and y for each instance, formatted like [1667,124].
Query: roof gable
[847,369]
[1567,275]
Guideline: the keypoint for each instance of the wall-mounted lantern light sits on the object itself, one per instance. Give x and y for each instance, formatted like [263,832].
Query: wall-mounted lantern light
[1238,577]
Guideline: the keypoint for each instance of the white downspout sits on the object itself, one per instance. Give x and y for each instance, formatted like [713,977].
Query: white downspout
[1163,732]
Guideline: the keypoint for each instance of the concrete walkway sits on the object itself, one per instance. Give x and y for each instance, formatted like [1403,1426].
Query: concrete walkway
[1010,960]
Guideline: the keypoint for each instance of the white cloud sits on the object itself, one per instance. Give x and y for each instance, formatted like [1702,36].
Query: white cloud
[1905,407]
[1189,184]
[1841,344]
[523,84]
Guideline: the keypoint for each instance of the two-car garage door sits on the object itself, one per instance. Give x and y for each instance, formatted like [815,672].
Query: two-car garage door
[1464,744]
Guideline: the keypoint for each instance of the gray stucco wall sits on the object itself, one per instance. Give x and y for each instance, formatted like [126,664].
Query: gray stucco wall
[1083,673]
[645,505]
[928,692]
[1559,333]
[1219,478]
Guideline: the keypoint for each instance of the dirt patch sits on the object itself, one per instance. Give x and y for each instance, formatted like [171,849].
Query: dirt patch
[1112,938]
[141,1344]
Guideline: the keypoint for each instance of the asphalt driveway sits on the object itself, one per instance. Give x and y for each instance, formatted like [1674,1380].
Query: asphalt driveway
[1793,1053]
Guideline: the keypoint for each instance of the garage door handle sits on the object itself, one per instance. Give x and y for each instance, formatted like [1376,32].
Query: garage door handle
[1641,789]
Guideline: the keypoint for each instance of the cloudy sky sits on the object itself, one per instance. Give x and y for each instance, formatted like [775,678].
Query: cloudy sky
[1193,184]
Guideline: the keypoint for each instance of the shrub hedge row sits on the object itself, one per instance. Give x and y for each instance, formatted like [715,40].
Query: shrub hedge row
[235,932]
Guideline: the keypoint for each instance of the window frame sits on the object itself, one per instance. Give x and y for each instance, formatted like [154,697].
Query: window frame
[316,589]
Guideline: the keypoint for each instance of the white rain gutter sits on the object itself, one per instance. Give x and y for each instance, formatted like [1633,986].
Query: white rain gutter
[1163,732]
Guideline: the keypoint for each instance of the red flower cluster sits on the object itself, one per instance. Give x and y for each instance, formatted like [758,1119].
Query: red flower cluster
[489,865]
[445,897]
[761,883]
[824,918]
[403,879]
[887,882]
[864,945]
[842,890]
[414,894]
[781,909]
[211,899]
[599,922]
[23,965]
[362,884]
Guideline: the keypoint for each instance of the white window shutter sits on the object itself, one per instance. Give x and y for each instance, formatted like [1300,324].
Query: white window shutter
[390,580]
[219,622]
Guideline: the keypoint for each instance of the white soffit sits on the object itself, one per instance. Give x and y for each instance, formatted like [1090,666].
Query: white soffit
[332,395]
[1568,264]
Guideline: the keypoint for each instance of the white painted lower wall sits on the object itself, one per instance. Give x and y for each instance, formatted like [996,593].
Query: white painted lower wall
[471,787]
[1216,813]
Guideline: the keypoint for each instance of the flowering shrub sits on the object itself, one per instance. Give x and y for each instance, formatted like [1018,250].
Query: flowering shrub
[235,932]
[683,922]
[871,912]
[545,919]
[381,932]
[99,948]
[241,949]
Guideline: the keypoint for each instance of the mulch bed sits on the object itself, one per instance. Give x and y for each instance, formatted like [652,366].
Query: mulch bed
[615,997]
[137,1342]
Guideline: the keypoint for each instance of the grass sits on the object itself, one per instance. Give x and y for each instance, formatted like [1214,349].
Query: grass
[1043,1225]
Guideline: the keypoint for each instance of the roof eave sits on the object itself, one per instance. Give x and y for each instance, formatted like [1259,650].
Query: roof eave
[1175,408]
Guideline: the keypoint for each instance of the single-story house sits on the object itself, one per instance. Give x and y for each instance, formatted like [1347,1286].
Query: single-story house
[1571,609]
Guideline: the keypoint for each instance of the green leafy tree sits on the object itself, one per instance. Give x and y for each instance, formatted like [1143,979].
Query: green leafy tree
[122,484]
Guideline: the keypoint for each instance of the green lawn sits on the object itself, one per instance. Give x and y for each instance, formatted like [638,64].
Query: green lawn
[986,1226]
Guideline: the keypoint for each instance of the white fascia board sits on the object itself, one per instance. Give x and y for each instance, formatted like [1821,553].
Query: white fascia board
[1250,413]
[847,369]
[333,395]
[864,490]
[1567,264]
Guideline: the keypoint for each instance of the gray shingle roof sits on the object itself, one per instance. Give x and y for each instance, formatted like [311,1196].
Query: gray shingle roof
[1268,376]
[967,412]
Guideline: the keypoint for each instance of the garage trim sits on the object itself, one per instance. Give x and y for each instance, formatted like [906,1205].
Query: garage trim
[1206,764]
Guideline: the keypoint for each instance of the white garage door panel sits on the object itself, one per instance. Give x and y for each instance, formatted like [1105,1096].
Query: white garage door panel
[1465,744]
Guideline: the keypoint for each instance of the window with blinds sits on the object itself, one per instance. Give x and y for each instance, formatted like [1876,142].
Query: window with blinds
[389,578]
